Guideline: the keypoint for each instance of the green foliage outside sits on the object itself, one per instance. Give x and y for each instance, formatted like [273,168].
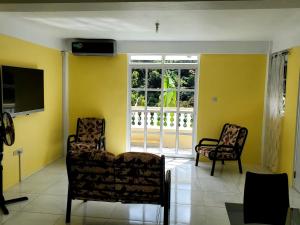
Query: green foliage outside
[138,78]
[170,82]
[137,99]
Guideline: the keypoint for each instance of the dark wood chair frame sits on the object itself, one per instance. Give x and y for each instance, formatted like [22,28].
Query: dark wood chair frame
[236,148]
[74,137]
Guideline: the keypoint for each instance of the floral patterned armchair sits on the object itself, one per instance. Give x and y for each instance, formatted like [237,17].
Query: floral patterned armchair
[228,147]
[89,135]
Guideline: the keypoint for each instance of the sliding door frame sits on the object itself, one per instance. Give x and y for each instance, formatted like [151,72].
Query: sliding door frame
[163,67]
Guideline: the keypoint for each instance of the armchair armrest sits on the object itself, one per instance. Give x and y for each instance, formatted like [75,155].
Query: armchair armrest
[71,138]
[208,140]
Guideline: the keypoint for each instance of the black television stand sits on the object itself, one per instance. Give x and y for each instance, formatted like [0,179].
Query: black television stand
[4,202]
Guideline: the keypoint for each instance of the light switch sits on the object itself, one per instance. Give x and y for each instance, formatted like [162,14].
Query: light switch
[214,99]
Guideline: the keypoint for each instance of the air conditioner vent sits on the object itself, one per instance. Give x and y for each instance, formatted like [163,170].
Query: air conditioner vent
[105,47]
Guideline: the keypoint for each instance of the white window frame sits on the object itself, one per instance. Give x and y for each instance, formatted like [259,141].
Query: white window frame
[163,66]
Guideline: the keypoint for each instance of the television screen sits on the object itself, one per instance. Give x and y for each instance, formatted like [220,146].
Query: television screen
[22,90]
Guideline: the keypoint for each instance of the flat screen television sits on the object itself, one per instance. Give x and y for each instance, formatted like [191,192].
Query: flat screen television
[22,90]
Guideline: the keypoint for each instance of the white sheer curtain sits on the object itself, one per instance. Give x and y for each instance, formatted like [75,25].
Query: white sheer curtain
[274,111]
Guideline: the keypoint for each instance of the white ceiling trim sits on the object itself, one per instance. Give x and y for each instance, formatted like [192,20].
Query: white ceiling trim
[167,5]
[189,47]
[195,47]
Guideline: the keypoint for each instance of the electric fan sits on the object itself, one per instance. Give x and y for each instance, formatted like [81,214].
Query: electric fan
[7,136]
[7,129]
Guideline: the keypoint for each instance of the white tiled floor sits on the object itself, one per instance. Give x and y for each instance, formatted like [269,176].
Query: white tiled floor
[196,198]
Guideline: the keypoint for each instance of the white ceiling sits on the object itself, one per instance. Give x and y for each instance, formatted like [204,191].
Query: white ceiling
[176,24]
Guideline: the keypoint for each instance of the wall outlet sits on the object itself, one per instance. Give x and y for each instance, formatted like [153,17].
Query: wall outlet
[18,151]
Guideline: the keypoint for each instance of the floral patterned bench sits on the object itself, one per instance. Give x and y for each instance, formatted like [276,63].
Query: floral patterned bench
[131,177]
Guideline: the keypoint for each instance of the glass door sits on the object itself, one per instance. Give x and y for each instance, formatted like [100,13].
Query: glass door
[162,93]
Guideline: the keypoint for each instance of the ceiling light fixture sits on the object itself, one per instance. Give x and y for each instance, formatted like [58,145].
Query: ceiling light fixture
[156,27]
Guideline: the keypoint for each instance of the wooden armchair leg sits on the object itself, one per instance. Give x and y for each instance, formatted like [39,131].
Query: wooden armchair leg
[166,215]
[213,168]
[240,166]
[69,206]
[197,159]
[167,198]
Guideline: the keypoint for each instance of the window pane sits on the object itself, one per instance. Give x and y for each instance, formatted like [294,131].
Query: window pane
[153,121]
[185,144]
[153,142]
[154,78]
[153,98]
[137,141]
[138,120]
[169,121]
[185,122]
[137,131]
[170,100]
[169,143]
[187,78]
[138,78]
[186,99]
[181,59]
[137,99]
[171,78]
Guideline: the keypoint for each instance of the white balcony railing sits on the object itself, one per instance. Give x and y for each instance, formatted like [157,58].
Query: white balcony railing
[169,117]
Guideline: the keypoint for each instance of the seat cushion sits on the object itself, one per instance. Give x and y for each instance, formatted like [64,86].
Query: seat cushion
[209,152]
[224,155]
[205,150]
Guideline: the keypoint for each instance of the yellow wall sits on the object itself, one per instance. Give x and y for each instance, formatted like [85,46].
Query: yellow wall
[238,82]
[98,88]
[39,134]
[289,120]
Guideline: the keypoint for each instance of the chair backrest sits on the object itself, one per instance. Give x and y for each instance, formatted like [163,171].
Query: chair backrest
[241,139]
[139,177]
[90,130]
[233,135]
[132,177]
[229,134]
[266,198]
[91,175]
